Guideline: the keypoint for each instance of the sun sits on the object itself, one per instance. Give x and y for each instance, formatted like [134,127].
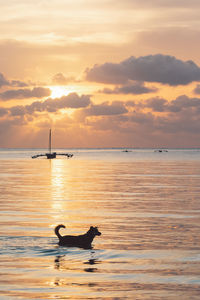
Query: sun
[59,91]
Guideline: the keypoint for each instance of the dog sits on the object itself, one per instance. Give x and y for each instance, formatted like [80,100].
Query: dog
[81,241]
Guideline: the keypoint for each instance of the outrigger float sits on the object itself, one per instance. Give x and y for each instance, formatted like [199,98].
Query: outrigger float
[50,154]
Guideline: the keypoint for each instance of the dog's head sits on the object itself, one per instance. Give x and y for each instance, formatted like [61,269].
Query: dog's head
[94,231]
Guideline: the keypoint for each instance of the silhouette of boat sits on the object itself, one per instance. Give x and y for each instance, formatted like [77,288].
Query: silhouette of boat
[160,150]
[50,154]
[126,150]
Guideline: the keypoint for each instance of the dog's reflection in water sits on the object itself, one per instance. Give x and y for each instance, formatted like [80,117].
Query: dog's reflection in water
[92,261]
[60,263]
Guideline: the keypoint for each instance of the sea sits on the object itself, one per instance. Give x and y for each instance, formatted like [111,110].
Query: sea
[145,202]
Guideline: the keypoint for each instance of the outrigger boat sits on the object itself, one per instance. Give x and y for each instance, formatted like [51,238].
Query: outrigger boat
[51,155]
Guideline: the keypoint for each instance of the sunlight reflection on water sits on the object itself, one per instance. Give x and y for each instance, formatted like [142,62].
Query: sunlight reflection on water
[148,213]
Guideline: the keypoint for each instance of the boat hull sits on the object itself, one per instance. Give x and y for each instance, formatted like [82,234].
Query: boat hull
[51,155]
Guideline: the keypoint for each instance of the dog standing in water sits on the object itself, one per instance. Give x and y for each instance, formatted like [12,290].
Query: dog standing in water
[82,241]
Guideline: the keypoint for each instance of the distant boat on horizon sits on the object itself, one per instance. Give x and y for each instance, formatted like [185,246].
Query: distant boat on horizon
[160,150]
[50,154]
[126,150]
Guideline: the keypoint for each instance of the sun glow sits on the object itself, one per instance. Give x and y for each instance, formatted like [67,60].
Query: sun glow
[59,91]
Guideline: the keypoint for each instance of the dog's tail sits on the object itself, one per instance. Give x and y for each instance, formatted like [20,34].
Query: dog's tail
[57,231]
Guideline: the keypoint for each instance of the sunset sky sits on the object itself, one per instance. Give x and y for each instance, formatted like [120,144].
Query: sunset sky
[106,73]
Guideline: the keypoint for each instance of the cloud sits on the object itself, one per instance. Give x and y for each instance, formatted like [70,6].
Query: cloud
[142,118]
[18,83]
[151,122]
[156,104]
[37,92]
[14,83]
[87,108]
[3,111]
[134,89]
[149,129]
[60,79]
[115,108]
[158,68]
[52,105]
[72,100]
[197,89]
[184,103]
[145,124]
[18,110]
[104,109]
[3,80]
[177,105]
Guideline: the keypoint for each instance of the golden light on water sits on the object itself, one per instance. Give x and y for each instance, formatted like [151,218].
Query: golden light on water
[62,191]
[68,205]
[149,228]
[59,192]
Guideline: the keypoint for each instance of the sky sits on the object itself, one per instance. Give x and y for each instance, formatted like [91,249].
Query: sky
[106,73]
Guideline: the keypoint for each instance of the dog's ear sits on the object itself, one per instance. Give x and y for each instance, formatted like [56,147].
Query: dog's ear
[91,227]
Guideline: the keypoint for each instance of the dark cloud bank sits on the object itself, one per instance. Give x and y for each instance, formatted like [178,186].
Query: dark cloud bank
[158,68]
[13,83]
[135,88]
[52,105]
[153,117]
[87,108]
[37,92]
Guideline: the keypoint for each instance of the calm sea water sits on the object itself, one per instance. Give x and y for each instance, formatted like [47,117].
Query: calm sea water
[145,203]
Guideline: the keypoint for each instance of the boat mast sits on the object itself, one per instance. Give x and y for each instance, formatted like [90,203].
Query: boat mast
[50,141]
[51,155]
